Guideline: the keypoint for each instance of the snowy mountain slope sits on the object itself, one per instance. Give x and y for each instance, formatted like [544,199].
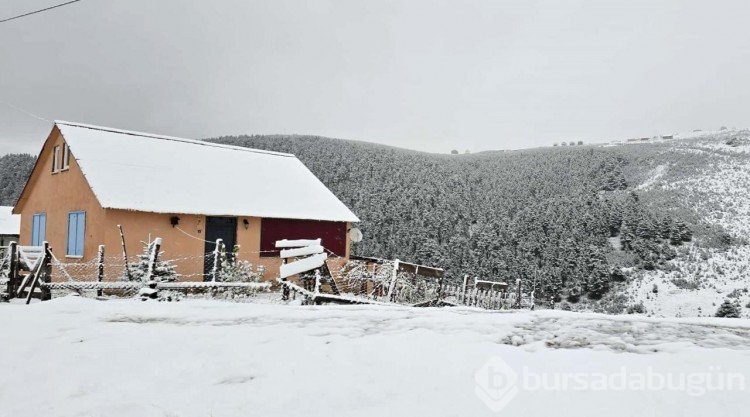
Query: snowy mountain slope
[507,215]
[701,278]
[73,356]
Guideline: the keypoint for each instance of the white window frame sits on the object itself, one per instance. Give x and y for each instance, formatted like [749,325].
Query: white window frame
[56,159]
[65,157]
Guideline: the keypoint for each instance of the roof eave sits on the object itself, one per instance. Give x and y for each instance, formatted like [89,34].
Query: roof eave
[347,219]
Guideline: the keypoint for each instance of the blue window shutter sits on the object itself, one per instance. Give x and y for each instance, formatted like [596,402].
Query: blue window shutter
[42,229]
[72,218]
[76,230]
[38,229]
[34,229]
[80,233]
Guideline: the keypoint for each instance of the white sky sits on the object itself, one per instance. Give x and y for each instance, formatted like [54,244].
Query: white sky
[428,75]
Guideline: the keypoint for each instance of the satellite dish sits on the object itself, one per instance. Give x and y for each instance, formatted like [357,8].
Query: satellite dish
[355,235]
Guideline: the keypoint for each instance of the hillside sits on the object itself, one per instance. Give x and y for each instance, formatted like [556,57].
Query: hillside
[14,169]
[707,178]
[659,227]
[598,224]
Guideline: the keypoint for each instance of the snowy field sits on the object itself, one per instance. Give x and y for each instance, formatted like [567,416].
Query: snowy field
[82,357]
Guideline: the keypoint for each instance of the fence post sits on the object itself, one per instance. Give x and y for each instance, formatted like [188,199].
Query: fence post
[153,258]
[393,281]
[284,287]
[46,272]
[285,290]
[37,274]
[463,289]
[100,269]
[12,269]
[317,281]
[440,291]
[518,294]
[217,260]
[124,253]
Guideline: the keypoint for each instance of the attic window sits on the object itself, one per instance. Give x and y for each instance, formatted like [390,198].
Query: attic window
[66,157]
[56,159]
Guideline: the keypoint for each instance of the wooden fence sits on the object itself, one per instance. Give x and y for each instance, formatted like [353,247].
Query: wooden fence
[486,298]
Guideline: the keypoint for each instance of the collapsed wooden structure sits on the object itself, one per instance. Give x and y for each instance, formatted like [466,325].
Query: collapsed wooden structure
[28,268]
[369,280]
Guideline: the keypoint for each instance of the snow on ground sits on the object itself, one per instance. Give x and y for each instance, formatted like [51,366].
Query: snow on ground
[654,176]
[81,357]
[710,134]
[720,195]
[696,286]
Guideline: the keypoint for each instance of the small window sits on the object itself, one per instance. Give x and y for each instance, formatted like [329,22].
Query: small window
[38,229]
[76,230]
[66,157]
[55,159]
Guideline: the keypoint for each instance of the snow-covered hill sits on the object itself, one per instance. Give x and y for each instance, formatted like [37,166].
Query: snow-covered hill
[556,214]
[81,357]
[718,193]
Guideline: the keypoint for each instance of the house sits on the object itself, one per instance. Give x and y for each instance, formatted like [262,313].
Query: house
[9,225]
[89,179]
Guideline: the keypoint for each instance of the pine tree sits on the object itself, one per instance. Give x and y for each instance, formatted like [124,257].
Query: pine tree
[626,239]
[598,280]
[645,228]
[729,310]
[553,286]
[614,219]
[163,270]
[675,238]
[233,269]
[666,226]
[685,233]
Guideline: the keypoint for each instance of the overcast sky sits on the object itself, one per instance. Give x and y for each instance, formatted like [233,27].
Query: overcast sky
[428,75]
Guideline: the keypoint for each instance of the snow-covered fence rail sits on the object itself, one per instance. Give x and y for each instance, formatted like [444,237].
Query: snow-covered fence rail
[113,276]
[486,298]
[133,285]
[385,281]
[316,297]
[113,268]
[323,278]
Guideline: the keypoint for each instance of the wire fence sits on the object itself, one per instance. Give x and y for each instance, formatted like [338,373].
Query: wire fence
[236,278]
[112,276]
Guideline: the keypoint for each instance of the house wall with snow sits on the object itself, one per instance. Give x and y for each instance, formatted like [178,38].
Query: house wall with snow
[88,180]
[10,226]
[51,194]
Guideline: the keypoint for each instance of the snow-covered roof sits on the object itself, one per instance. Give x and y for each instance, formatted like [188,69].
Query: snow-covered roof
[10,224]
[161,174]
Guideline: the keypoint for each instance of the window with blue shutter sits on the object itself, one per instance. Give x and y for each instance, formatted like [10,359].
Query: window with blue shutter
[38,229]
[76,230]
